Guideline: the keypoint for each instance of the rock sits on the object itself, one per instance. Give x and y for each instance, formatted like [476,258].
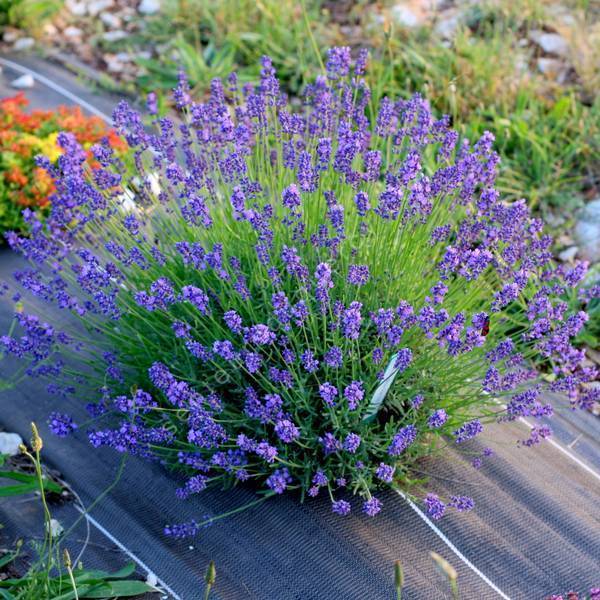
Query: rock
[113,64]
[149,7]
[550,43]
[97,6]
[22,44]
[9,443]
[79,9]
[24,82]
[552,67]
[447,26]
[404,16]
[569,254]
[114,36]
[587,231]
[110,20]
[10,36]
[72,32]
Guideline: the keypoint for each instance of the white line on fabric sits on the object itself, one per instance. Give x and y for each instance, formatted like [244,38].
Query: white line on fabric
[127,551]
[452,547]
[560,447]
[56,87]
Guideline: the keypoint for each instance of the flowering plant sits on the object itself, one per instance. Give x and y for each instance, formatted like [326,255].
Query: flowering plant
[23,135]
[307,299]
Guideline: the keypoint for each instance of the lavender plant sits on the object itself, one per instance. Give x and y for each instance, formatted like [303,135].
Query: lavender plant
[306,295]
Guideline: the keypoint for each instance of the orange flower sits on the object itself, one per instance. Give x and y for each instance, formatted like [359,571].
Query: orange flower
[16,176]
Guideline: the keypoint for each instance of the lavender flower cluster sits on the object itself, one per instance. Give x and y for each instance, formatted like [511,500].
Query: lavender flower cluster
[298,296]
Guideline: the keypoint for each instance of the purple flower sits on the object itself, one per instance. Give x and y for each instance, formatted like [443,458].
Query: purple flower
[403,359]
[351,443]
[233,321]
[385,472]
[437,418]
[279,480]
[417,401]
[291,197]
[461,503]
[328,392]
[330,443]
[225,350]
[468,430]
[266,451]
[196,297]
[341,507]
[253,361]
[61,424]
[260,334]
[320,479]
[402,440]
[286,431]
[372,506]
[435,507]
[358,275]
[351,321]
[334,357]
[309,362]
[338,62]
[354,393]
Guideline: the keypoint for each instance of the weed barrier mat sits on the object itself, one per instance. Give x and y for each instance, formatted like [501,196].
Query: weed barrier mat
[535,529]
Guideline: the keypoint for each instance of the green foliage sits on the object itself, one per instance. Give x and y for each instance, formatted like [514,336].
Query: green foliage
[210,39]
[28,14]
[27,484]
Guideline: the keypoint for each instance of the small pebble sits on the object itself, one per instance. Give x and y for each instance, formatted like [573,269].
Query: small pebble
[24,82]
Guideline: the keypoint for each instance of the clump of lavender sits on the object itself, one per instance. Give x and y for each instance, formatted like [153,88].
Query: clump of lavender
[302,298]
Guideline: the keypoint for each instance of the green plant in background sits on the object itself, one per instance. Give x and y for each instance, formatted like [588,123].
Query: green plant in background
[45,578]
[210,39]
[29,15]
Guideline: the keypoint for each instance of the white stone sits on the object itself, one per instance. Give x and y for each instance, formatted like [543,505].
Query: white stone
[113,65]
[10,36]
[9,443]
[54,528]
[24,82]
[551,43]
[72,32]
[110,20]
[404,16]
[97,6]
[25,43]
[149,7]
[587,231]
[550,66]
[123,57]
[114,36]
[569,254]
[447,27]
[76,8]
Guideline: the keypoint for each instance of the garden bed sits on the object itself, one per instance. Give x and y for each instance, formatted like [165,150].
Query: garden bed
[533,532]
